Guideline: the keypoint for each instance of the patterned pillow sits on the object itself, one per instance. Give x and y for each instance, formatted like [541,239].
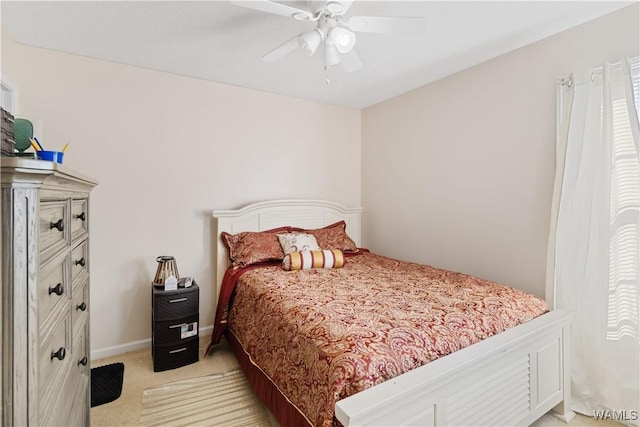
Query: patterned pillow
[250,247]
[333,236]
[297,242]
[313,259]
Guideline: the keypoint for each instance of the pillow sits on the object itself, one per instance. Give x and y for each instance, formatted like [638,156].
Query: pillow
[250,247]
[333,236]
[313,259]
[297,242]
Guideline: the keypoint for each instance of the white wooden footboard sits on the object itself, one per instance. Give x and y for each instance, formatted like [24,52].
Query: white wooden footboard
[510,379]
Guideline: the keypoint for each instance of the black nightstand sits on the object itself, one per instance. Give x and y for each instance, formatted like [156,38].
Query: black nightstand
[174,318]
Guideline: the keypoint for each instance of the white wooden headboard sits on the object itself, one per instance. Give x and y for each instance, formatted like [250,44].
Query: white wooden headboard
[278,213]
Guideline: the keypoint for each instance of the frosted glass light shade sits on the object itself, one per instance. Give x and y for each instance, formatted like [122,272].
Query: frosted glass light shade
[343,39]
[310,41]
[331,55]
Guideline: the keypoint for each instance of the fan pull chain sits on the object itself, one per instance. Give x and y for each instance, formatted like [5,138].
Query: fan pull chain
[327,81]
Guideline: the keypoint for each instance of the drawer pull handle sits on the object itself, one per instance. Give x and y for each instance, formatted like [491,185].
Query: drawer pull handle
[83,361]
[171,301]
[59,225]
[57,289]
[177,326]
[178,350]
[59,354]
[81,261]
[81,216]
[81,307]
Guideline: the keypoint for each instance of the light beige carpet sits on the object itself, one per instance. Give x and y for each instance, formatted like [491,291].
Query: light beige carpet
[139,376]
[214,400]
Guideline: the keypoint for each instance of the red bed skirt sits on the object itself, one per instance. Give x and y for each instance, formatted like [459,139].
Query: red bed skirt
[285,412]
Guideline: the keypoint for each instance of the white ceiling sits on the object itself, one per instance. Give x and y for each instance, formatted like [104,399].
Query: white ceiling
[223,42]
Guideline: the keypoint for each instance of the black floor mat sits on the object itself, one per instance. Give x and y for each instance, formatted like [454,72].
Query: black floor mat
[106,383]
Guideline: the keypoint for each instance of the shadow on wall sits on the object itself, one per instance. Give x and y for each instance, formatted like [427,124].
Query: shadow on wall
[142,283]
[205,271]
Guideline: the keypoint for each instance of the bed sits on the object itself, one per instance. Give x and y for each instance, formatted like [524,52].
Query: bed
[510,378]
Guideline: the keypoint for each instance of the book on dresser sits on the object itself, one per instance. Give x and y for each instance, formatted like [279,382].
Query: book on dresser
[45,293]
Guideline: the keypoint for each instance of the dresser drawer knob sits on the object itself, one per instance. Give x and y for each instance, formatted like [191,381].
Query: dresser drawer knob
[81,307]
[59,225]
[81,261]
[81,216]
[83,361]
[60,354]
[57,289]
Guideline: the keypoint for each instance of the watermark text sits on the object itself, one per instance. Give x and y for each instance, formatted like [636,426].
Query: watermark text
[622,415]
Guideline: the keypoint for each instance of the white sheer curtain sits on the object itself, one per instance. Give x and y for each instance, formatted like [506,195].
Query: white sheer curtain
[593,262]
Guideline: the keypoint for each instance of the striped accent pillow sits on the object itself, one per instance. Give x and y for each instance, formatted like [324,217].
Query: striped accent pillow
[313,259]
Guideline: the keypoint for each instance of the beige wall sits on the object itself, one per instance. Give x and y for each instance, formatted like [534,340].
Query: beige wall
[459,173]
[167,150]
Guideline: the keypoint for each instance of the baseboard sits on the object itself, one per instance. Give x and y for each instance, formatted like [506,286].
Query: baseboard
[115,350]
[564,417]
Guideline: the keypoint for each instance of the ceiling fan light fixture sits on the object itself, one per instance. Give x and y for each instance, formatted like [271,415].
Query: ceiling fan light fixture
[343,39]
[310,41]
[331,55]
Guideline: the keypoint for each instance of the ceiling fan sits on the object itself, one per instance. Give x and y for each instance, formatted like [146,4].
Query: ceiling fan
[333,31]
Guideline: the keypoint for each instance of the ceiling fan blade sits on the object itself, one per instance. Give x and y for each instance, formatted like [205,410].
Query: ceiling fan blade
[275,8]
[351,61]
[281,51]
[387,24]
[338,7]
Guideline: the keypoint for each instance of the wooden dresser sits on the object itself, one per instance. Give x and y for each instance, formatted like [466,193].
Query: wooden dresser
[45,294]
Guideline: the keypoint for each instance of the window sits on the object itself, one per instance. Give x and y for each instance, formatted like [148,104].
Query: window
[624,243]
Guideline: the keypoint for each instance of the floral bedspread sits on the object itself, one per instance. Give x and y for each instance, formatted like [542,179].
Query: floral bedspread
[324,334]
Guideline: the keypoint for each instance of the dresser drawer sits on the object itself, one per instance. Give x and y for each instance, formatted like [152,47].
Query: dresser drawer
[175,331]
[79,218]
[79,378]
[80,411]
[174,356]
[175,305]
[80,355]
[79,263]
[66,398]
[53,287]
[54,228]
[79,306]
[52,371]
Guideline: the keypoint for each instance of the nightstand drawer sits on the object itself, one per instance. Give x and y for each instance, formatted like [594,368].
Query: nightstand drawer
[173,356]
[175,331]
[175,305]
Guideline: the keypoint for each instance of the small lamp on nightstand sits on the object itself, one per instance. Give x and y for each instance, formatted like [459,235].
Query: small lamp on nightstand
[167,273]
